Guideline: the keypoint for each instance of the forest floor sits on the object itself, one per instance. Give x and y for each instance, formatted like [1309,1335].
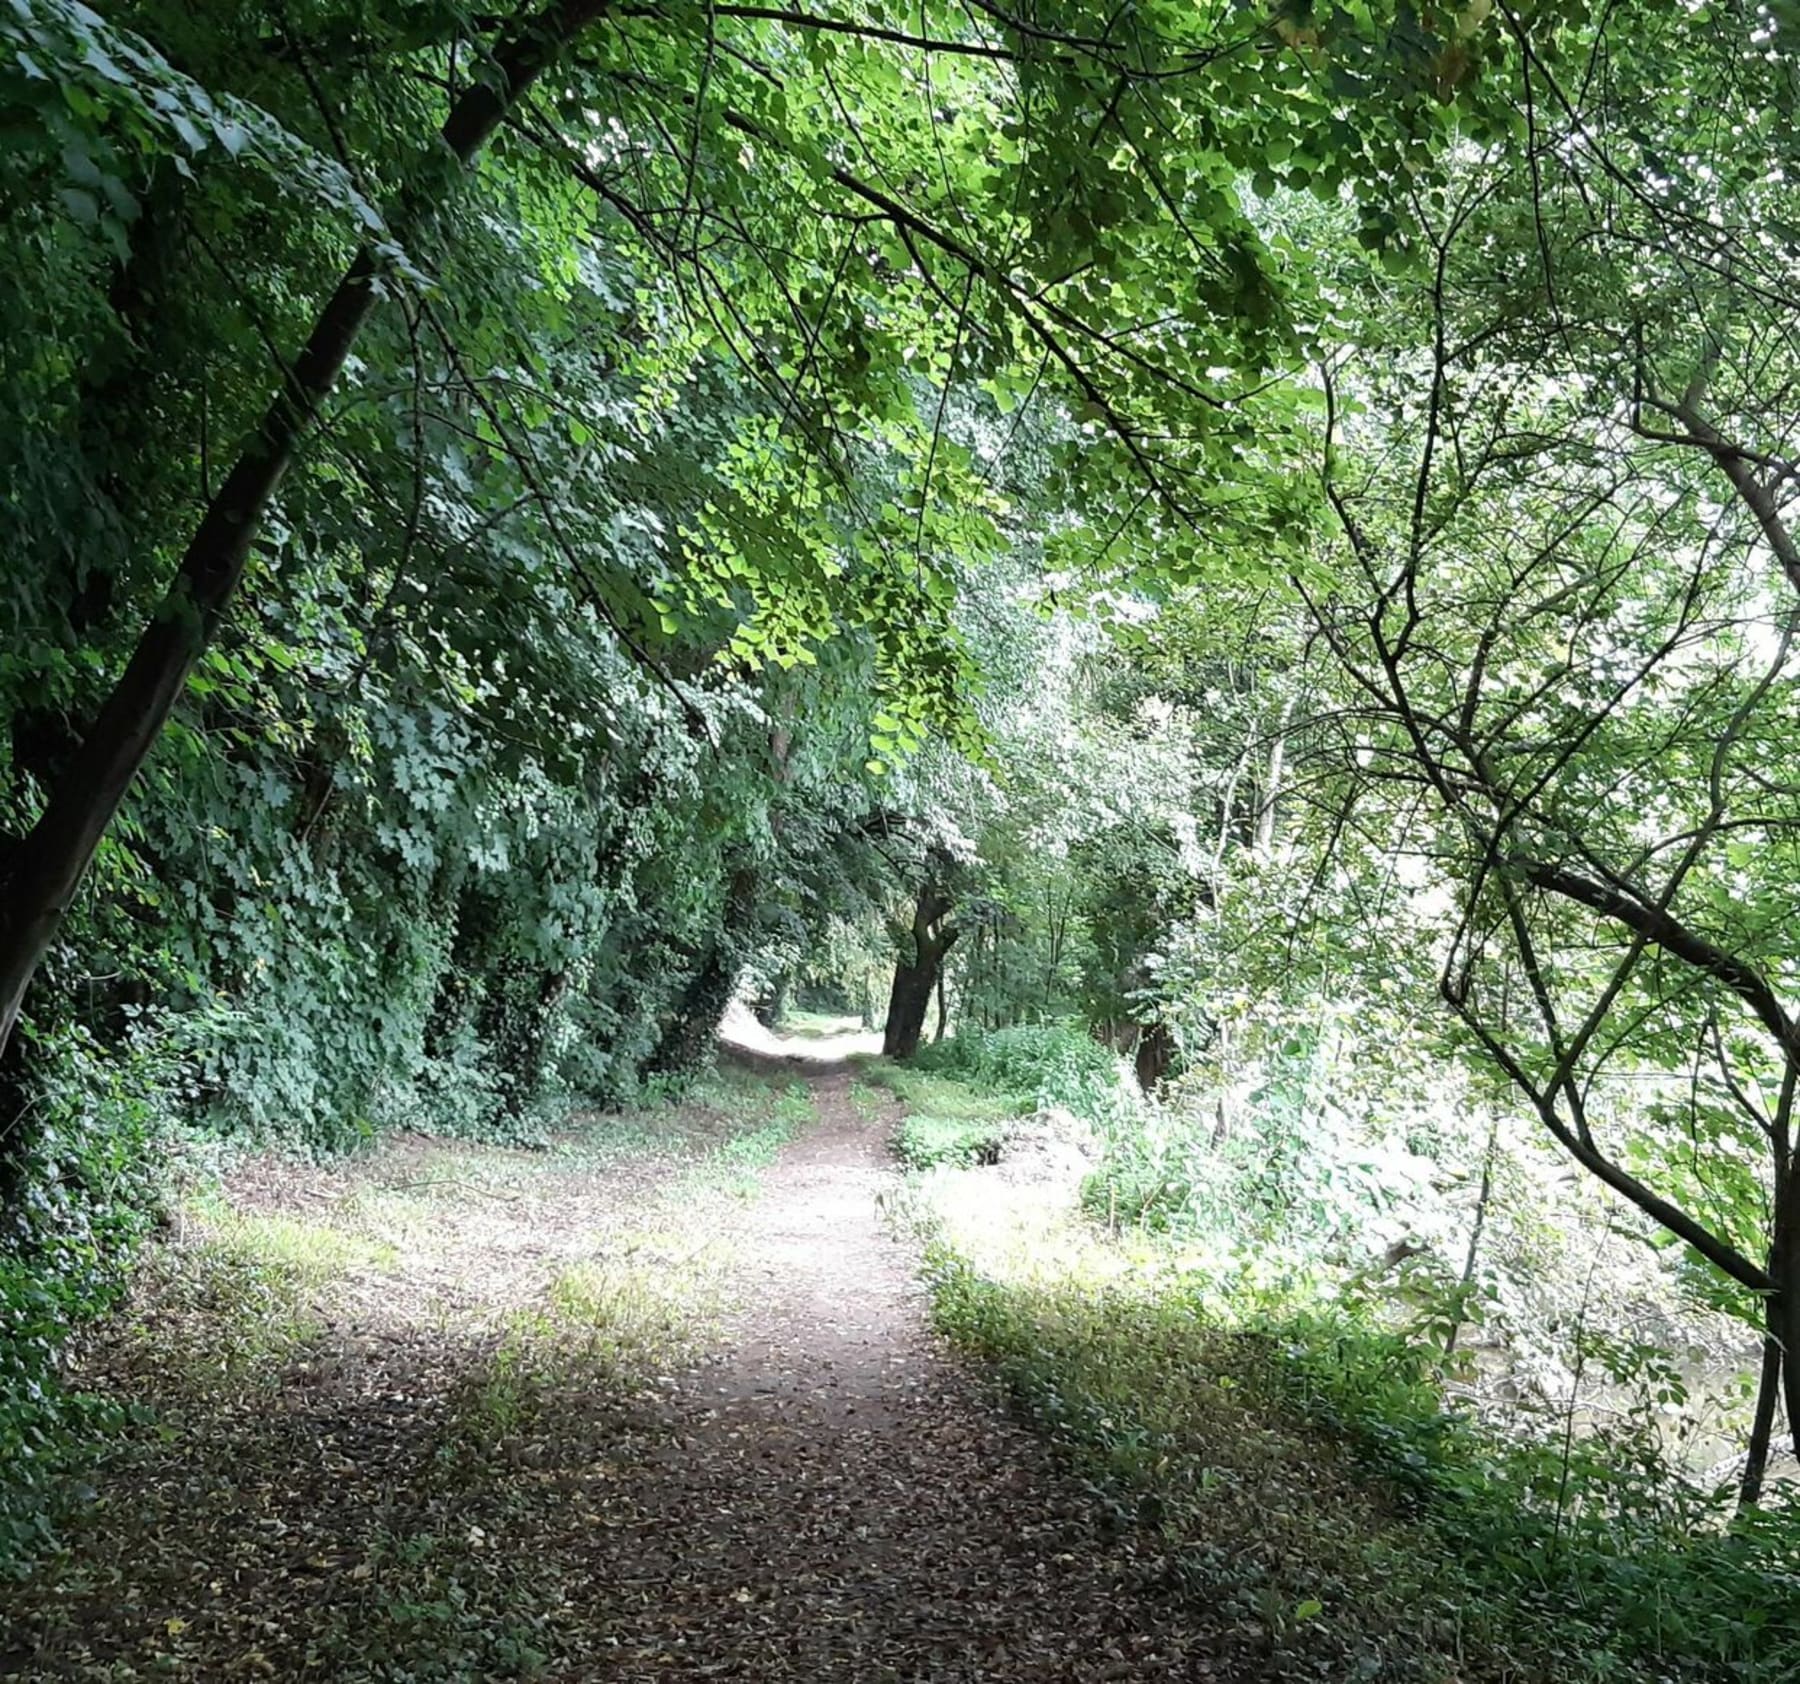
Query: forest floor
[655,1403]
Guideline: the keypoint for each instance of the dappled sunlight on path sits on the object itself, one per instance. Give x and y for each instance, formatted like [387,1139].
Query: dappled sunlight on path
[693,1426]
[741,1032]
[841,1501]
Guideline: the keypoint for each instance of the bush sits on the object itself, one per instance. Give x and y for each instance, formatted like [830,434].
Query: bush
[927,1142]
[1053,1063]
[1297,1462]
[1227,1427]
[84,1199]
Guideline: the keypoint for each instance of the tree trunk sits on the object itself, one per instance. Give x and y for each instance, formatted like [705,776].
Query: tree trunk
[1762,1427]
[1781,1307]
[1784,1320]
[1155,1053]
[907,1003]
[688,1036]
[1473,1254]
[1271,793]
[943,1011]
[49,863]
[916,974]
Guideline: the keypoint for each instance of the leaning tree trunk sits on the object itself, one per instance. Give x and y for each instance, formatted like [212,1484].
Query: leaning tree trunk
[47,866]
[1781,1305]
[1762,1426]
[689,1034]
[916,974]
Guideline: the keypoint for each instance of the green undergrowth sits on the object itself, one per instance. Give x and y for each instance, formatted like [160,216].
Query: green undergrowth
[81,1200]
[932,1093]
[925,1142]
[760,1120]
[946,1121]
[1036,1067]
[232,1299]
[801,1024]
[1298,1466]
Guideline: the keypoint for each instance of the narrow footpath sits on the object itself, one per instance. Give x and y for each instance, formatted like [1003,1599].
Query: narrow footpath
[841,1501]
[457,1413]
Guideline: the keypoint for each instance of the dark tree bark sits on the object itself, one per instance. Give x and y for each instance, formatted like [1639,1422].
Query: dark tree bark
[47,866]
[688,1036]
[916,972]
[1784,1302]
[1762,1426]
[1155,1053]
[907,1003]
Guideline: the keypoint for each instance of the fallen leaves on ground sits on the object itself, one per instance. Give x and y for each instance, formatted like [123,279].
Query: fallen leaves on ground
[424,1483]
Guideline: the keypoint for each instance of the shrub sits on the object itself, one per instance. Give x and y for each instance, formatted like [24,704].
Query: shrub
[84,1198]
[926,1142]
[1053,1063]
[1295,1455]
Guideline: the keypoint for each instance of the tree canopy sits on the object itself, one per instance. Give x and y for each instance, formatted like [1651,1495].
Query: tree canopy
[1261,530]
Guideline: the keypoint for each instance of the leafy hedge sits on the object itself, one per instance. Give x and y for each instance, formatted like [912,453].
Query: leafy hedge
[927,1142]
[83,1195]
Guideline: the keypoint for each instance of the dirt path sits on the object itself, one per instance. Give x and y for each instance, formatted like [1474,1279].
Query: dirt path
[493,1456]
[840,1501]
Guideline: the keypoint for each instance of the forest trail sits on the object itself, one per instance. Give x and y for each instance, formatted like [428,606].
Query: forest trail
[841,1501]
[486,1457]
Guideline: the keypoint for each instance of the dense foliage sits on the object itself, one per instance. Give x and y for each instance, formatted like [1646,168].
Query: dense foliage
[1252,540]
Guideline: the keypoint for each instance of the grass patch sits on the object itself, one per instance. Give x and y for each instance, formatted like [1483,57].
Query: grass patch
[311,1253]
[948,1122]
[934,1095]
[444,1602]
[735,1163]
[231,1305]
[1170,1419]
[647,1306]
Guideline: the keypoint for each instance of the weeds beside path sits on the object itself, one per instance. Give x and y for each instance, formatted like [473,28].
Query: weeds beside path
[467,1413]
